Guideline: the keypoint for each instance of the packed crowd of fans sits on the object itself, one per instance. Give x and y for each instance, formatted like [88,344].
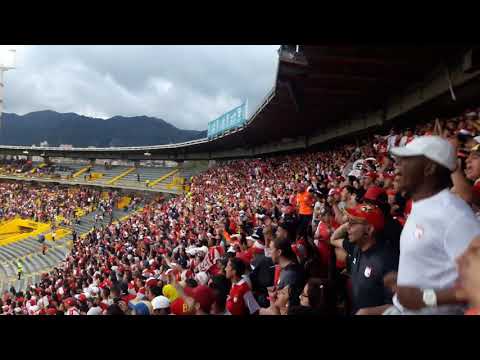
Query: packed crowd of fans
[46,203]
[383,226]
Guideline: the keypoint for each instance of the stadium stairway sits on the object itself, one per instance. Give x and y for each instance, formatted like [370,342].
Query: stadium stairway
[149,174]
[29,252]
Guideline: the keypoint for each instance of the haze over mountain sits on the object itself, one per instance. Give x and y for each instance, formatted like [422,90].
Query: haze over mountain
[83,131]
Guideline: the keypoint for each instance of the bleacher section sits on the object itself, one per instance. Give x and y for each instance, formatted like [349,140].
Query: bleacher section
[154,178]
[29,252]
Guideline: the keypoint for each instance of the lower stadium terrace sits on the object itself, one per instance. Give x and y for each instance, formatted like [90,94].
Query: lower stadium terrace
[262,230]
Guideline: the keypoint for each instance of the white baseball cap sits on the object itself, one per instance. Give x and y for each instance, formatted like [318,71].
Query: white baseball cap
[434,148]
[160,302]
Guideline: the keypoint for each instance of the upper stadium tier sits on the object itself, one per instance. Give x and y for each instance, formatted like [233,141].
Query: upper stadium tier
[322,93]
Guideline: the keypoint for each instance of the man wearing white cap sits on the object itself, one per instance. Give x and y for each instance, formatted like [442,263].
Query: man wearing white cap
[160,305]
[439,228]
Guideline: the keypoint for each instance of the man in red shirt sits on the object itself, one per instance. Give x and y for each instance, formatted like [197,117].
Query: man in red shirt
[240,300]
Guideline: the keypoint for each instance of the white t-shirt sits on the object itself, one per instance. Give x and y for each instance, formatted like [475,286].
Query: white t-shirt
[438,230]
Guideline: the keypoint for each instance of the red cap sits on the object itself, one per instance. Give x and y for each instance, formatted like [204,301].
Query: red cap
[246,257]
[373,193]
[391,192]
[82,298]
[70,302]
[388,176]
[152,283]
[51,311]
[128,298]
[204,295]
[369,213]
[180,307]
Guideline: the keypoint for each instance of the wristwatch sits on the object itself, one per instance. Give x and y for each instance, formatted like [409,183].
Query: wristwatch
[430,298]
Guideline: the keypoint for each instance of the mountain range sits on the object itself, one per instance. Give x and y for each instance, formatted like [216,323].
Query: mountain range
[82,131]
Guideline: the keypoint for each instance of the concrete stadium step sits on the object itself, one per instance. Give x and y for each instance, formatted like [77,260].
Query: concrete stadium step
[10,269]
[27,247]
[36,263]
[3,271]
[28,266]
[12,252]
[43,260]
[4,256]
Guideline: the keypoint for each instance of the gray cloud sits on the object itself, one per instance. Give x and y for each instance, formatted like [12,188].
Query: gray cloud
[184,85]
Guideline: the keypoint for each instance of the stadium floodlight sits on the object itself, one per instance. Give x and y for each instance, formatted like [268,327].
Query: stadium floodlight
[147,154]
[26,152]
[3,69]
[42,154]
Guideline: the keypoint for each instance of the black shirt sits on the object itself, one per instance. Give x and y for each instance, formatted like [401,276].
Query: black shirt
[292,275]
[367,271]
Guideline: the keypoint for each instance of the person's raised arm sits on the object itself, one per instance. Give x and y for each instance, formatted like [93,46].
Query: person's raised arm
[338,235]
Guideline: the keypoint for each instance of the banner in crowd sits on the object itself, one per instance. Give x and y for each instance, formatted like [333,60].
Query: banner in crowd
[230,120]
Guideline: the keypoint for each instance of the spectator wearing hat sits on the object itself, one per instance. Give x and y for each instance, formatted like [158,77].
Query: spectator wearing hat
[291,273]
[390,234]
[160,305]
[170,292]
[437,231]
[240,300]
[70,307]
[203,297]
[370,260]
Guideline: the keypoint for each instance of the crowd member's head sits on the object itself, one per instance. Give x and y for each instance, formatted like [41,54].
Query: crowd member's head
[319,294]
[235,269]
[425,165]
[282,300]
[364,221]
[170,292]
[161,305]
[221,287]
[369,179]
[115,309]
[472,170]
[203,297]
[281,251]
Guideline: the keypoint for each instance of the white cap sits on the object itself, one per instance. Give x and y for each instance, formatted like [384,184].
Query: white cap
[95,311]
[477,139]
[434,148]
[160,302]
[202,278]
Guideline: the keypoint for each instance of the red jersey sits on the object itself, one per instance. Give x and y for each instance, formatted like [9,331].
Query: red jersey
[236,303]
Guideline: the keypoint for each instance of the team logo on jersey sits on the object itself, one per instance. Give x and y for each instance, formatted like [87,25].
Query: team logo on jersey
[419,232]
[368,271]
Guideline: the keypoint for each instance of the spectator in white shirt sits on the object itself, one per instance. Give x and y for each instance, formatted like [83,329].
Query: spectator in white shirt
[439,229]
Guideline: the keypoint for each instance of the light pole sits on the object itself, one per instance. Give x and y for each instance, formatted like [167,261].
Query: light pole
[4,68]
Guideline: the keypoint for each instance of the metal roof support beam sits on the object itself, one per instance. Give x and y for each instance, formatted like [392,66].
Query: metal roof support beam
[297,95]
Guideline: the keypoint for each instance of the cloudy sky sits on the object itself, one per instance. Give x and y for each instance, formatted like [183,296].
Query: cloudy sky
[184,85]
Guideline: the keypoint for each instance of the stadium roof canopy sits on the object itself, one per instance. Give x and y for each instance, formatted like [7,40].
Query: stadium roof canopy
[315,87]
